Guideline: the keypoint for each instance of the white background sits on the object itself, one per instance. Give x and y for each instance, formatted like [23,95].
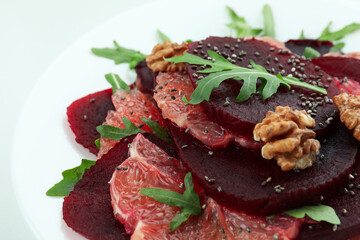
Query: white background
[32,34]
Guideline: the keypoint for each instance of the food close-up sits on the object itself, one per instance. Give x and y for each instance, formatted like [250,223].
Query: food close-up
[227,137]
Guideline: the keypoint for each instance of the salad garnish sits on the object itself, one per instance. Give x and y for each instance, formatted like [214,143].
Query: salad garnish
[189,201]
[70,178]
[221,70]
[309,52]
[115,133]
[162,36]
[116,82]
[120,55]
[317,213]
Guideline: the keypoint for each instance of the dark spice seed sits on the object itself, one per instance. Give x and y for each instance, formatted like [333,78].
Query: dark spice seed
[131,112]
[125,168]
[118,168]
[172,97]
[141,125]
[160,87]
[122,98]
[248,229]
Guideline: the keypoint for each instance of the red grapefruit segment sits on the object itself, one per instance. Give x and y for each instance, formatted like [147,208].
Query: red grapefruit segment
[170,88]
[134,105]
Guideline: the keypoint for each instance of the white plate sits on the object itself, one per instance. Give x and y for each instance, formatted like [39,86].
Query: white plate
[44,146]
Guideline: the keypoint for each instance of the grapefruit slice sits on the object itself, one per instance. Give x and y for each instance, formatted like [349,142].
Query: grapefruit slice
[132,104]
[170,88]
[145,218]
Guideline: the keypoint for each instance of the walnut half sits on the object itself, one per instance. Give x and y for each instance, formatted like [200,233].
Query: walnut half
[156,62]
[288,139]
[349,107]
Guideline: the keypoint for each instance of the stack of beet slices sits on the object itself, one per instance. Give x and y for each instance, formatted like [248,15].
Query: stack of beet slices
[237,177]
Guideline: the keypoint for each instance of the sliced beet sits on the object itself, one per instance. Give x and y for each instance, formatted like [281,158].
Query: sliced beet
[87,209]
[239,173]
[145,78]
[86,113]
[298,46]
[242,117]
[340,67]
[349,200]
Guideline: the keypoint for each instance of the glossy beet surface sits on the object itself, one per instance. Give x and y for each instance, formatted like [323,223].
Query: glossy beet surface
[88,209]
[242,117]
[349,200]
[239,173]
[145,78]
[298,46]
[86,113]
[340,67]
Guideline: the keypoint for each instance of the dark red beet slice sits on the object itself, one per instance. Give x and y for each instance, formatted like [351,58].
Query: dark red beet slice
[88,208]
[242,117]
[145,78]
[86,113]
[239,173]
[349,200]
[340,67]
[298,46]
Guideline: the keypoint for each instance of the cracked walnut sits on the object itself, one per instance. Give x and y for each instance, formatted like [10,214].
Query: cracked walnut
[288,139]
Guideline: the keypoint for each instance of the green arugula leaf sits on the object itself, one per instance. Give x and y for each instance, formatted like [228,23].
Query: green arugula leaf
[189,201]
[97,143]
[162,36]
[70,179]
[240,25]
[157,129]
[302,35]
[269,25]
[317,213]
[120,55]
[221,70]
[116,82]
[327,35]
[115,133]
[309,52]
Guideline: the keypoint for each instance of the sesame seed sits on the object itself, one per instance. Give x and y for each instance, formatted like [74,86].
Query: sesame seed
[248,229]
[85,117]
[122,98]
[240,229]
[276,237]
[187,130]
[92,100]
[160,87]
[154,91]
[118,168]
[219,189]
[344,211]
[184,146]
[210,153]
[334,228]
[125,168]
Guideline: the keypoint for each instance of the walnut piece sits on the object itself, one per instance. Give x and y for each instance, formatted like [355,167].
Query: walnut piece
[155,60]
[349,107]
[288,139]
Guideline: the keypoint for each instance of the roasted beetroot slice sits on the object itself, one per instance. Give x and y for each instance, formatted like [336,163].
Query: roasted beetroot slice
[298,46]
[239,173]
[86,113]
[88,208]
[348,198]
[145,78]
[340,67]
[242,117]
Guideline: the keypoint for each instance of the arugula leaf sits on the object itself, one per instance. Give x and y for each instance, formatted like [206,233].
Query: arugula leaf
[240,25]
[327,35]
[97,143]
[302,35]
[115,133]
[269,25]
[157,129]
[221,69]
[70,179]
[116,82]
[189,201]
[317,213]
[309,52]
[120,55]
[162,36]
